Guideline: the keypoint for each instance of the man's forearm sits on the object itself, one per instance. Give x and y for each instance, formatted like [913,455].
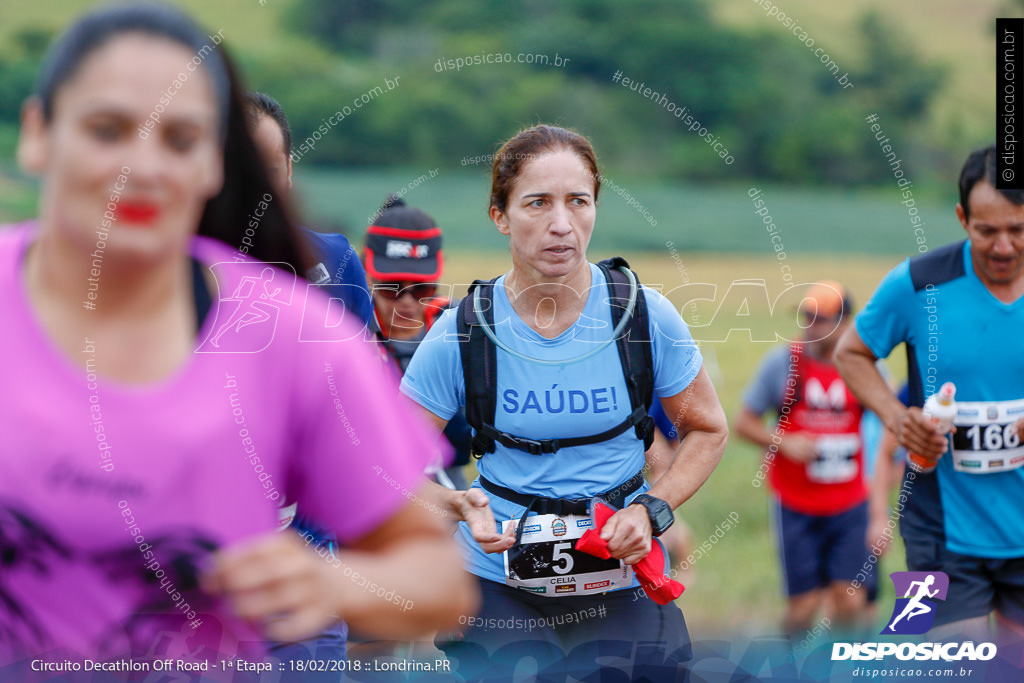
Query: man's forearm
[865,381]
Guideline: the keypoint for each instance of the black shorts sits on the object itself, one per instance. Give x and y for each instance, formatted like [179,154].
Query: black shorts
[977,585]
[819,549]
[568,635]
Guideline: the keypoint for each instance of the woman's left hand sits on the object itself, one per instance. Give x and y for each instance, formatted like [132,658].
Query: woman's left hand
[628,533]
[278,583]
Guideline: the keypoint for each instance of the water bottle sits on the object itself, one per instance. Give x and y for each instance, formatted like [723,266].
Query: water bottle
[941,409]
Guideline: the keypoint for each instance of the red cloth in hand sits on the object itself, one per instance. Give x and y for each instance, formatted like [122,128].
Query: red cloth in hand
[650,571]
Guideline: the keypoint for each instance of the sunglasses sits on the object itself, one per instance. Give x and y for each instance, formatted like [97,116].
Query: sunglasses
[396,290]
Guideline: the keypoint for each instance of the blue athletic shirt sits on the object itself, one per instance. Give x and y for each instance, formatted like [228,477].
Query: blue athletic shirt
[560,401]
[340,274]
[955,331]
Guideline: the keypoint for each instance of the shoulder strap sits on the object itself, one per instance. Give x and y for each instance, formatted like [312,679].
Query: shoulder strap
[480,369]
[635,348]
[479,364]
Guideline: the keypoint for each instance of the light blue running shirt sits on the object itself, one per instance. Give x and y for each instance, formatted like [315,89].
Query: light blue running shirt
[560,401]
[957,331]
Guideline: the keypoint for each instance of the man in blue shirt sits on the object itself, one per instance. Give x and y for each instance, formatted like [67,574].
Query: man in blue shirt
[960,311]
[339,271]
[341,275]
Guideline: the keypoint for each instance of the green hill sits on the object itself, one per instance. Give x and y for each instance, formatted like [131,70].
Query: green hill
[765,95]
[692,217]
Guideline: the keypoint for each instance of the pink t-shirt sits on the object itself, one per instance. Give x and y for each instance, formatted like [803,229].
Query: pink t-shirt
[113,496]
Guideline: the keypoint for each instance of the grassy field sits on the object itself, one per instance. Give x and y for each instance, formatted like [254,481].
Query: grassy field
[737,585]
[692,217]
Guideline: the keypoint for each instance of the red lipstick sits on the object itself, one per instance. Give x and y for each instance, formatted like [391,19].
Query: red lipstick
[132,212]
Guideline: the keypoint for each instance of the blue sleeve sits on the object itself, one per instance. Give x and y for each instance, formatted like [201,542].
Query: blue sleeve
[677,359]
[434,376]
[460,436]
[355,276]
[768,386]
[662,421]
[885,321]
[341,274]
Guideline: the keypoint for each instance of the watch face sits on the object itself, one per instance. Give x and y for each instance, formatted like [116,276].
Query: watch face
[659,512]
[664,516]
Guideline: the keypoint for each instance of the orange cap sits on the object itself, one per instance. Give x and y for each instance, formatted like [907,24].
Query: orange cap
[826,299]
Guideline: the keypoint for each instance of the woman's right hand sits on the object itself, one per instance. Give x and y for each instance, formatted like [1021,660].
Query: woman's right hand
[475,509]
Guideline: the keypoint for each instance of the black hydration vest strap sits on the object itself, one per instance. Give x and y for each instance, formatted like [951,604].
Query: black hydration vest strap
[538,446]
[479,364]
[564,506]
[634,348]
[479,368]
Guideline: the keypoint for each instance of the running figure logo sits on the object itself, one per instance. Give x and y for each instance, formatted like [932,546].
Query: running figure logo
[914,613]
[247,319]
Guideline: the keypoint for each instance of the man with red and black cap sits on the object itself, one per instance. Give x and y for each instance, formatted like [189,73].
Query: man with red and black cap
[403,261]
[815,462]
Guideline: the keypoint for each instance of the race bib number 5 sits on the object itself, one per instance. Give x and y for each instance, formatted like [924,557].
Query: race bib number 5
[983,442]
[546,561]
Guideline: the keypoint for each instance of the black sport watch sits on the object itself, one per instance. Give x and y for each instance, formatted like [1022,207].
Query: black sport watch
[658,511]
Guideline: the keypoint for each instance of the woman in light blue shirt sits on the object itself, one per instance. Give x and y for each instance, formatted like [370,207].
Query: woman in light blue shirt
[565,428]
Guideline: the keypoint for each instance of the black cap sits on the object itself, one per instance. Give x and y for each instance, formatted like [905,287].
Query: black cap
[403,244]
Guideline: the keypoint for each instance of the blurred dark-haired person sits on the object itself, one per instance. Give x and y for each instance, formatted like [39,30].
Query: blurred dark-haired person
[558,390]
[340,275]
[959,310]
[150,429]
[815,463]
[338,270]
[404,260]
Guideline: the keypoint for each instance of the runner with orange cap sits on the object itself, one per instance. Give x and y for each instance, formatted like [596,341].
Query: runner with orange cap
[815,462]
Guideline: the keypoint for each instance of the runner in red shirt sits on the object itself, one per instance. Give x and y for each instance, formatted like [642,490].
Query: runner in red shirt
[814,463]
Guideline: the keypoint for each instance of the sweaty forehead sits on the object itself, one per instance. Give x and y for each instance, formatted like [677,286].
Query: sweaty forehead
[556,170]
[992,207]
